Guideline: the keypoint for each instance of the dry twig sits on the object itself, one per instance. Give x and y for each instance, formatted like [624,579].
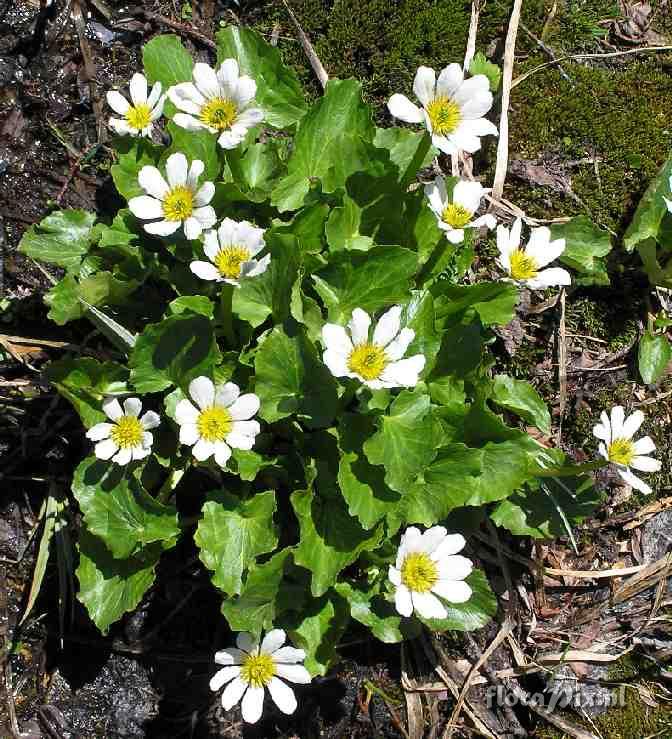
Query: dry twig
[315,63]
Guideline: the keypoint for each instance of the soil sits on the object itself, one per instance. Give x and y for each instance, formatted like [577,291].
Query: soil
[149,677]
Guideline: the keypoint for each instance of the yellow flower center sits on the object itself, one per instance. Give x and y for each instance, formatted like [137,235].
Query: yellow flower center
[219,113]
[621,451]
[368,361]
[178,204]
[257,670]
[139,116]
[229,260]
[444,115]
[127,432]
[419,572]
[456,215]
[214,423]
[522,266]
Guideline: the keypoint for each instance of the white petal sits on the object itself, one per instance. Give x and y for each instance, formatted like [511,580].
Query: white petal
[477,105]
[223,676]
[428,606]
[435,192]
[230,656]
[202,391]
[206,80]
[335,339]
[403,109]
[468,194]
[410,542]
[152,182]
[117,102]
[140,452]
[245,407]
[205,194]
[105,449]
[186,97]
[185,412]
[337,363]
[192,228]
[226,394]
[631,425]
[189,123]
[99,432]
[388,326]
[294,673]
[449,81]
[273,640]
[454,235]
[196,169]
[211,245]
[424,85]
[541,248]
[189,434]
[602,449]
[123,456]
[150,420]
[464,139]
[552,277]
[403,373]
[358,325]
[253,704]
[394,576]
[122,127]
[240,441]
[112,409]
[132,407]
[205,271]
[633,480]
[227,74]
[247,119]
[138,88]
[256,268]
[432,538]
[443,144]
[203,450]
[617,419]
[154,95]
[602,431]
[206,216]
[230,139]
[403,601]
[232,693]
[246,89]
[222,453]
[246,428]
[644,445]
[472,88]
[455,567]
[483,127]
[397,348]
[145,207]
[245,642]
[282,695]
[452,544]
[288,655]
[645,464]
[176,169]
[454,591]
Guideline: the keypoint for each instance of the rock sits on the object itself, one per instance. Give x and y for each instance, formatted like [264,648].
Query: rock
[657,536]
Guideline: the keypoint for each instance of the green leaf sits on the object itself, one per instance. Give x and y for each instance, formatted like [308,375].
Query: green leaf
[332,142]
[195,145]
[198,304]
[85,382]
[362,484]
[166,61]
[117,509]
[376,279]
[110,587]
[134,154]
[585,245]
[330,538]
[476,613]
[371,609]
[279,93]
[651,211]
[405,442]
[480,65]
[521,398]
[654,355]
[343,228]
[263,596]
[534,513]
[62,238]
[250,463]
[173,352]
[233,533]
[255,172]
[320,631]
[291,379]
[494,302]
[63,301]
[460,352]
[403,146]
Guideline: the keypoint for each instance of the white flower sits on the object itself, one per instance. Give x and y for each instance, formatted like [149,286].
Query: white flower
[376,361]
[127,437]
[428,566]
[669,202]
[219,421]
[456,215]
[617,446]
[452,108]
[251,668]
[524,265]
[178,202]
[139,117]
[230,250]
[221,102]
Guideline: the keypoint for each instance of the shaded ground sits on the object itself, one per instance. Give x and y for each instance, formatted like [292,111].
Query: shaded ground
[601,128]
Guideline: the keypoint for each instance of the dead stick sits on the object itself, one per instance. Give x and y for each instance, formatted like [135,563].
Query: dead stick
[315,63]
[473,30]
[507,77]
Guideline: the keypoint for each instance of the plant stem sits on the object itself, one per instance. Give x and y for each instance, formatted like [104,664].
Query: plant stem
[226,314]
[416,162]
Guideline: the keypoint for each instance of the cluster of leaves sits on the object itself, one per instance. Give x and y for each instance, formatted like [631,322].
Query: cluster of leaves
[299,532]
[650,232]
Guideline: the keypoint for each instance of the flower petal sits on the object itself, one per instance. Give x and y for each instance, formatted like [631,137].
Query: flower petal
[388,326]
[449,81]
[205,270]
[150,420]
[245,407]
[424,85]
[394,576]
[403,109]
[145,207]
[432,538]
[468,194]
[396,349]
[202,391]
[177,169]
[645,464]
[253,704]
[192,228]
[617,419]
[644,445]
[123,456]
[189,434]
[152,182]
[138,88]
[230,656]
[105,449]
[186,97]
[273,640]
[454,591]
[205,194]
[294,673]
[452,544]
[358,325]
[337,363]
[403,601]
[454,567]
[632,423]
[99,432]
[205,79]
[282,695]
[223,676]
[203,450]
[335,339]
[185,412]
[132,407]
[154,95]
[226,394]
[117,102]
[631,479]
[227,74]
[428,605]
[555,276]
[112,409]
[404,372]
[435,192]
[245,642]
[189,123]
[288,655]
[233,693]
[222,453]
